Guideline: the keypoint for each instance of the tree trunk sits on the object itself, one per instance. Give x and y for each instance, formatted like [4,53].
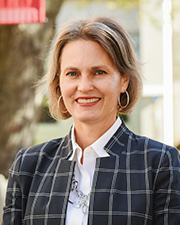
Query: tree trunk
[23,51]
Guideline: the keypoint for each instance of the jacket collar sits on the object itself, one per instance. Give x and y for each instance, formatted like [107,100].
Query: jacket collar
[118,141]
[115,145]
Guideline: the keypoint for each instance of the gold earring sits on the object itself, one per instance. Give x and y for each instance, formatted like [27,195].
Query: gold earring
[59,99]
[127,103]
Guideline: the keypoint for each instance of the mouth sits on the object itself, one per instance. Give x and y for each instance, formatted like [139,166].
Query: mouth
[87,100]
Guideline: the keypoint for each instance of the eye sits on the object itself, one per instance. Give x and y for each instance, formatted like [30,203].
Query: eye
[72,74]
[100,72]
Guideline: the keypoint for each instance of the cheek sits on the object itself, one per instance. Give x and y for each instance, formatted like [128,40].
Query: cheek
[111,94]
[64,87]
[67,92]
[115,87]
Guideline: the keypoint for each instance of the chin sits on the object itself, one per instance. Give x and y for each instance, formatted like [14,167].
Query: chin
[87,119]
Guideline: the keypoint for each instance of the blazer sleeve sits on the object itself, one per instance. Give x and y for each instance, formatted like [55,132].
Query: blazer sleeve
[166,203]
[13,209]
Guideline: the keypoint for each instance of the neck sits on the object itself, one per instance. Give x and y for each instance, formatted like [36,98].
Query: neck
[87,134]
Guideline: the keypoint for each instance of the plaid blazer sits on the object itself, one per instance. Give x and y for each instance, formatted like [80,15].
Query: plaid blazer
[139,184]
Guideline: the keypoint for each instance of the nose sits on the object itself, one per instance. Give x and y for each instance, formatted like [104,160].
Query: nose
[85,84]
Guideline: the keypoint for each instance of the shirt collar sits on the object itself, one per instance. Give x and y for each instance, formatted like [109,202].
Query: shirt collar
[99,144]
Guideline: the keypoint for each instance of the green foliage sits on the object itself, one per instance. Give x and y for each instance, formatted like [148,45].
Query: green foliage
[123,117]
[178,147]
[44,112]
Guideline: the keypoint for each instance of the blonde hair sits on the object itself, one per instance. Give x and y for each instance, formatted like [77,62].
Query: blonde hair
[114,40]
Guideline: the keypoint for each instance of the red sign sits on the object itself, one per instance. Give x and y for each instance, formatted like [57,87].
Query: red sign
[22,11]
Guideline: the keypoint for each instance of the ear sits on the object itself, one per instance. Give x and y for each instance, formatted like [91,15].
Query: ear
[124,82]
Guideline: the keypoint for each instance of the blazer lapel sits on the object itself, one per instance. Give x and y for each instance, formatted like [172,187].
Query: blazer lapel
[62,182]
[102,187]
[60,189]
[106,179]
[50,188]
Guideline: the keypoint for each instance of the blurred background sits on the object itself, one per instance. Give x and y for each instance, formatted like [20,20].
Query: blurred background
[25,38]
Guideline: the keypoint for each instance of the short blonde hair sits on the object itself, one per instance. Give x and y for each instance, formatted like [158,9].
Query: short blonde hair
[114,40]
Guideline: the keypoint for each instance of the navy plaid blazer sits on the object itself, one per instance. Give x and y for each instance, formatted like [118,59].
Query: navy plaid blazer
[139,184]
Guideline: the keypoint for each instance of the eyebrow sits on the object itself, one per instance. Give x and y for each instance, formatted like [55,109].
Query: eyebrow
[70,68]
[91,68]
[100,66]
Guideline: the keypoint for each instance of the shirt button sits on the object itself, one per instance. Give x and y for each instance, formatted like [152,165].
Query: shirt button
[89,151]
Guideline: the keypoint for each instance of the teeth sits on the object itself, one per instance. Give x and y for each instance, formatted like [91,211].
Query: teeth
[90,100]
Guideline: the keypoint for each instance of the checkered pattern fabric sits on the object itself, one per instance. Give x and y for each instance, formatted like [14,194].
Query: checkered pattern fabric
[139,184]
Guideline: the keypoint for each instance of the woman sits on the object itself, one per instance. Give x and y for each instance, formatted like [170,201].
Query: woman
[101,173]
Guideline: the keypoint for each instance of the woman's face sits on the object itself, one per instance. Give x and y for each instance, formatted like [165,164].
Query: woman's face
[90,83]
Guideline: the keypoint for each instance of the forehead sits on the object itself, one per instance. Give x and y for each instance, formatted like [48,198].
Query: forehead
[86,51]
[82,44]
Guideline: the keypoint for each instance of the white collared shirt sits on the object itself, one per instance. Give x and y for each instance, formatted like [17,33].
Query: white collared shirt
[84,172]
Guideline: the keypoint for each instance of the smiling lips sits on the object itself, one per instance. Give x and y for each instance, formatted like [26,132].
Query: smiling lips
[87,100]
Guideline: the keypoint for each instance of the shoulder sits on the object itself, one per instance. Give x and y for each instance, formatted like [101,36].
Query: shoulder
[27,159]
[153,146]
[157,153]
[127,143]
[145,143]
[47,148]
